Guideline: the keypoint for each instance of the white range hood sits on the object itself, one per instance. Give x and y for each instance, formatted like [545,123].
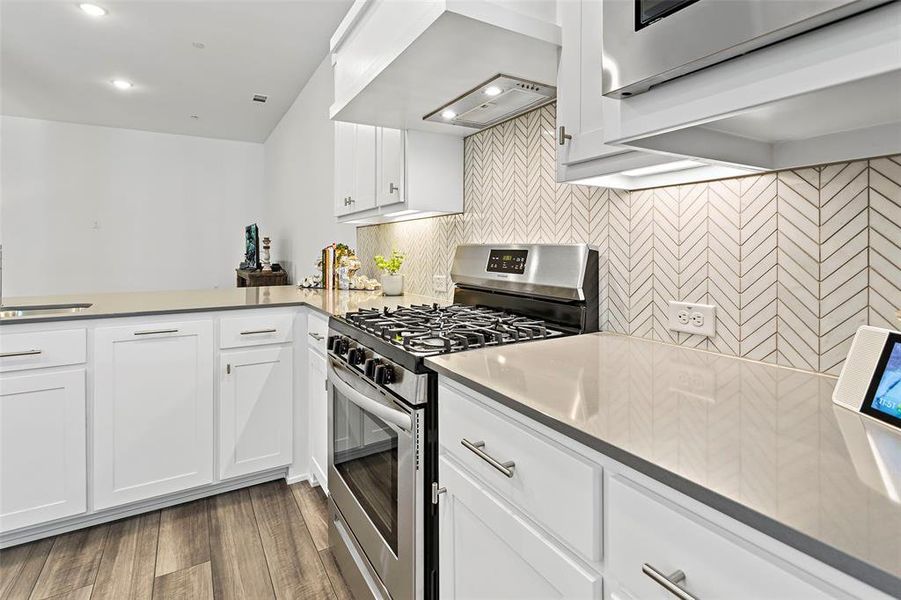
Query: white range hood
[402,64]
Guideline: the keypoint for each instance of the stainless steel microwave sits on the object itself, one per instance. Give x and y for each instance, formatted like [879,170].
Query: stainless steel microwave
[647,42]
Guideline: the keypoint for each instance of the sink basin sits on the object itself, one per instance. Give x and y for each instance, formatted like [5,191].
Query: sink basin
[8,312]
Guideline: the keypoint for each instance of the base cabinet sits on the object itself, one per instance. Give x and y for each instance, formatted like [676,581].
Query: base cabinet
[318,398]
[42,447]
[255,397]
[489,551]
[153,410]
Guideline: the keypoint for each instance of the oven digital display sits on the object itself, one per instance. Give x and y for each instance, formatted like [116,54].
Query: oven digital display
[507,261]
[883,399]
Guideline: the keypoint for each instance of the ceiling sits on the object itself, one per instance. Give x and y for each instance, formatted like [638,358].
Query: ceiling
[58,63]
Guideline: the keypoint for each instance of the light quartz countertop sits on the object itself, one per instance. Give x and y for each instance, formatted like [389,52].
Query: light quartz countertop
[128,304]
[761,443]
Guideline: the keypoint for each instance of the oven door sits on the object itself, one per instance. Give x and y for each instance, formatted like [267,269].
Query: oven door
[374,476]
[646,42]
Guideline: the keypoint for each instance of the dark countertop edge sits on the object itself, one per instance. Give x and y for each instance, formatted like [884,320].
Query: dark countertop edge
[850,565]
[167,311]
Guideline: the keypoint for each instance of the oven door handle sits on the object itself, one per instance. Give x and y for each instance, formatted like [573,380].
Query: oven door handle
[386,413]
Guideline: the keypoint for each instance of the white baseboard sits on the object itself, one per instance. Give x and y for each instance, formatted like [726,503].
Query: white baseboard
[290,479]
[44,530]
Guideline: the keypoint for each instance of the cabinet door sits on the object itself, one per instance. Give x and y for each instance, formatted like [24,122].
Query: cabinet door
[42,448]
[344,166]
[391,188]
[153,410]
[579,99]
[316,378]
[255,393]
[363,197]
[488,551]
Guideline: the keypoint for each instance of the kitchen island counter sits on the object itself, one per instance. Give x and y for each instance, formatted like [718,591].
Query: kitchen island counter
[128,304]
[762,444]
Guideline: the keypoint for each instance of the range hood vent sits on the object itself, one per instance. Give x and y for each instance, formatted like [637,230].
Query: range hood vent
[500,98]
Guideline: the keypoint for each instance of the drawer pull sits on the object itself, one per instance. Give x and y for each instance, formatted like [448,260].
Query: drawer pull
[156,331]
[20,353]
[668,582]
[256,331]
[316,336]
[476,448]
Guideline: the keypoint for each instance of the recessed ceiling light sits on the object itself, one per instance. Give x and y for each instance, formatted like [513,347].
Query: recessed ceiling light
[92,9]
[448,114]
[493,90]
[122,84]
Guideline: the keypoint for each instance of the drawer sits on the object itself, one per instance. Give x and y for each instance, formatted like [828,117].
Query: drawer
[558,489]
[317,331]
[256,330]
[643,530]
[38,349]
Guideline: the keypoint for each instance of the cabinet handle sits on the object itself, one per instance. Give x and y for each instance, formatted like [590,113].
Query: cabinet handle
[668,582]
[228,369]
[392,188]
[476,448]
[256,331]
[563,135]
[155,331]
[20,353]
[316,336]
[437,491]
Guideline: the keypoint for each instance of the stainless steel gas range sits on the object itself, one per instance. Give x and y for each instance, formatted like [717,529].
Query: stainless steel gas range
[382,400]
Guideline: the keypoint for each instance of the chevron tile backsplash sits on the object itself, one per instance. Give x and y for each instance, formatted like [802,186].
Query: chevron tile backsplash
[795,261]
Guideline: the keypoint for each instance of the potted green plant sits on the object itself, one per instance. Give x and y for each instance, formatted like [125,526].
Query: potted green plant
[392,281]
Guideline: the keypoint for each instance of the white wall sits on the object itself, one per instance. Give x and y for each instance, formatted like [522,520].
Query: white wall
[93,209]
[299,212]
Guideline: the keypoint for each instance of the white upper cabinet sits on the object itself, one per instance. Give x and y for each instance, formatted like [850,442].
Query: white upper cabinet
[827,95]
[153,410]
[355,168]
[384,174]
[583,156]
[395,62]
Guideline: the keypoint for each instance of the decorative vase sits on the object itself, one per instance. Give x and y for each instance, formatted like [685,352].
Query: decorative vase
[392,285]
[265,261]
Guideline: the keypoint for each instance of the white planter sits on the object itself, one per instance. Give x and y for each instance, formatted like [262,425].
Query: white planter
[393,285]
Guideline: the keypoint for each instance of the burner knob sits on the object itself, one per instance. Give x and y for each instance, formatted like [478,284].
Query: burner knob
[383,374]
[341,346]
[369,367]
[355,356]
[330,343]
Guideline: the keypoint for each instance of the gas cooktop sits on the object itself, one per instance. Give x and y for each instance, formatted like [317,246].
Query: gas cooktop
[426,330]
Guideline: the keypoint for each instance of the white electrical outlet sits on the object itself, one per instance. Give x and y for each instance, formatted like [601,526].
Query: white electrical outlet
[699,319]
[439,283]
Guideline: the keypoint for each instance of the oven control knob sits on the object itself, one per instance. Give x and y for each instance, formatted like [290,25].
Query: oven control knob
[369,367]
[383,374]
[330,343]
[341,346]
[355,356]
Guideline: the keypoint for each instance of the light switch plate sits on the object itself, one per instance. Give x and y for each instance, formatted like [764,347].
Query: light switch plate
[697,319]
[439,283]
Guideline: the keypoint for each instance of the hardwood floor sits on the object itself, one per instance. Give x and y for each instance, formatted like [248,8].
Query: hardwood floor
[267,541]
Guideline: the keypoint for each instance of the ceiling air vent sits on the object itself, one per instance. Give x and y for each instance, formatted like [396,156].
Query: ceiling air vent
[498,99]
[260,98]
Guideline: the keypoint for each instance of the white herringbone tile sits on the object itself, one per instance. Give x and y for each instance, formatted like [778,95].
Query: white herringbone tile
[794,261]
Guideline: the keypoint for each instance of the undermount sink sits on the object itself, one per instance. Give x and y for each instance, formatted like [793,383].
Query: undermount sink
[7,312]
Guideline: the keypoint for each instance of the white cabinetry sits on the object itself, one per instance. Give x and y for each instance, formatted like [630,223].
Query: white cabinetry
[255,394]
[153,410]
[387,174]
[355,168]
[489,551]
[42,447]
[582,154]
[317,396]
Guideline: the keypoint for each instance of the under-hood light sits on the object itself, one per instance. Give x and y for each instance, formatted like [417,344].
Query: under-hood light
[679,165]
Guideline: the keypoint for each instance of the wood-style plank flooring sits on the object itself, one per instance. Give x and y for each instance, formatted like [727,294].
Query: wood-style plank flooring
[269,541]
